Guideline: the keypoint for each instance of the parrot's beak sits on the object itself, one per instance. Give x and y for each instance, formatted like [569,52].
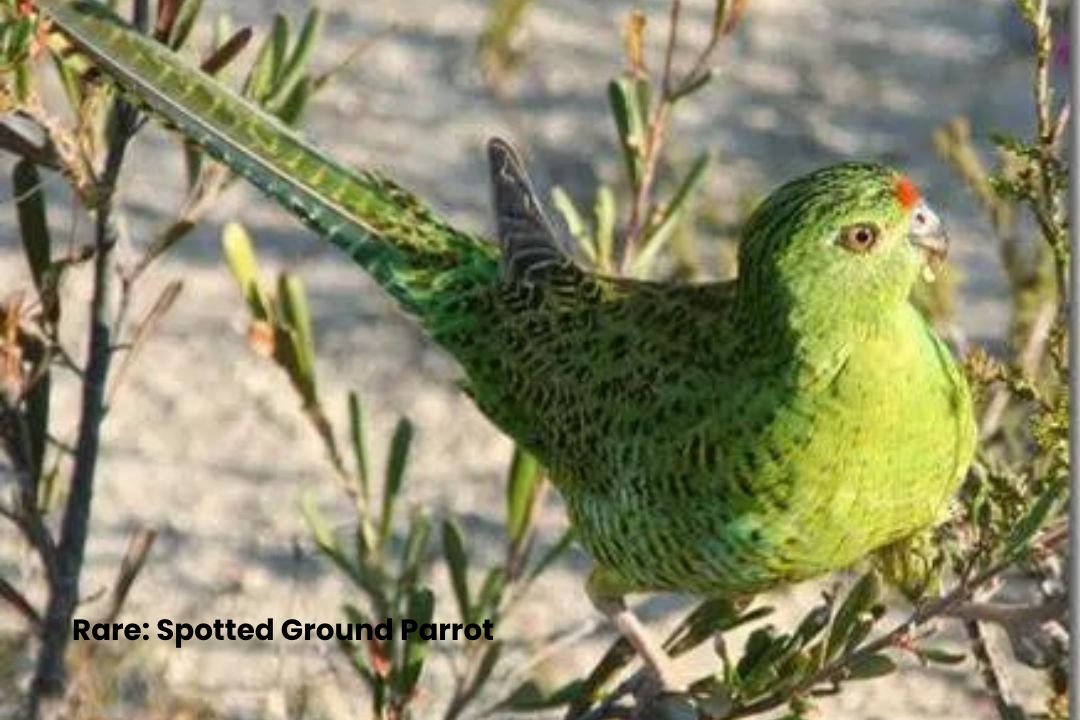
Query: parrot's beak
[928,234]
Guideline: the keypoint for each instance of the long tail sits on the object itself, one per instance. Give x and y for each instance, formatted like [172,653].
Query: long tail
[410,251]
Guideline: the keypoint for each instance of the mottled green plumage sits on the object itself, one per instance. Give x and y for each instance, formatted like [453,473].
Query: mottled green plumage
[717,438]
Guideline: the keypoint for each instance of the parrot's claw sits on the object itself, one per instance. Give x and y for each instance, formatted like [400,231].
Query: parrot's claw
[657,662]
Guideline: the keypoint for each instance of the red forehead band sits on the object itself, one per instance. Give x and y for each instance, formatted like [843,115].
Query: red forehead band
[906,192]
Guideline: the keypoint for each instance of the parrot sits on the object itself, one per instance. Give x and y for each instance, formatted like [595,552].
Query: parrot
[713,438]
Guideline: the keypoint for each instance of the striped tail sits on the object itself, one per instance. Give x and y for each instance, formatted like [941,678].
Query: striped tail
[411,252]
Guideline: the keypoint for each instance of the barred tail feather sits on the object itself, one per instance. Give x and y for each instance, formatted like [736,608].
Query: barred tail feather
[411,252]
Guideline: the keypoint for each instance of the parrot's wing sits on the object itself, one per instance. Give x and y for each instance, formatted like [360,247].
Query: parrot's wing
[530,248]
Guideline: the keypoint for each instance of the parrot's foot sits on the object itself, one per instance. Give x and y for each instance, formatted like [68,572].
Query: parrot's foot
[626,622]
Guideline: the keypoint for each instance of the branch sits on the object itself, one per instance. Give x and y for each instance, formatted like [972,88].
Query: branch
[994,676]
[49,676]
[1009,615]
[895,637]
[21,605]
[138,550]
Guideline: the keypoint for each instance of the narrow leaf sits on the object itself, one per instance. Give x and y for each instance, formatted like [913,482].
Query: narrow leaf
[604,210]
[659,236]
[240,256]
[1047,503]
[575,224]
[938,656]
[292,109]
[296,314]
[867,667]
[458,563]
[421,608]
[530,696]
[395,472]
[295,66]
[359,444]
[859,601]
[185,22]
[227,52]
[706,620]
[553,553]
[33,223]
[522,485]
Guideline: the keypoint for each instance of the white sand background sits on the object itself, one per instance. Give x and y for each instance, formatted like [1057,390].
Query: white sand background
[206,443]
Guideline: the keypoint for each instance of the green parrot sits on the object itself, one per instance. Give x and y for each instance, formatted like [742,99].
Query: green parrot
[719,438]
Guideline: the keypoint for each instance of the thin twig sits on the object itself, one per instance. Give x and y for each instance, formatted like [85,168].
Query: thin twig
[993,673]
[643,209]
[1009,615]
[18,601]
[1030,358]
[138,550]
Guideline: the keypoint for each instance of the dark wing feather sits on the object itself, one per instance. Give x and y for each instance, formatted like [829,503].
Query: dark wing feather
[530,249]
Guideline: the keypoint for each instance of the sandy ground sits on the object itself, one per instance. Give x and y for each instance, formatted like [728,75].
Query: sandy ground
[205,442]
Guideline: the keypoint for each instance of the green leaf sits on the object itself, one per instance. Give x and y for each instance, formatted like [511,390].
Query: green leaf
[295,66]
[765,651]
[617,657]
[531,696]
[491,591]
[297,316]
[604,210]
[421,608]
[185,22]
[292,109]
[575,224]
[69,70]
[1047,504]
[629,100]
[863,595]
[720,12]
[859,632]
[813,623]
[33,224]
[328,545]
[938,656]
[693,85]
[458,563]
[757,646]
[240,256]
[279,47]
[324,537]
[488,663]
[260,81]
[712,616]
[659,236]
[674,707]
[353,614]
[867,667]
[359,444]
[553,553]
[193,163]
[416,545]
[395,473]
[37,422]
[523,482]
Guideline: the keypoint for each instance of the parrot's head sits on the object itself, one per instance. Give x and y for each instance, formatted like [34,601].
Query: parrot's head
[842,244]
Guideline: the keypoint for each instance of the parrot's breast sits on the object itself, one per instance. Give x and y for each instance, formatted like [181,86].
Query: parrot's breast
[786,483]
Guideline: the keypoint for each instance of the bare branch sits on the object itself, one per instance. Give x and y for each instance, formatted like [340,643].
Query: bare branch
[21,605]
[134,558]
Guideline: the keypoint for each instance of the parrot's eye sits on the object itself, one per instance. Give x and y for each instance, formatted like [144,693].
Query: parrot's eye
[860,237]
